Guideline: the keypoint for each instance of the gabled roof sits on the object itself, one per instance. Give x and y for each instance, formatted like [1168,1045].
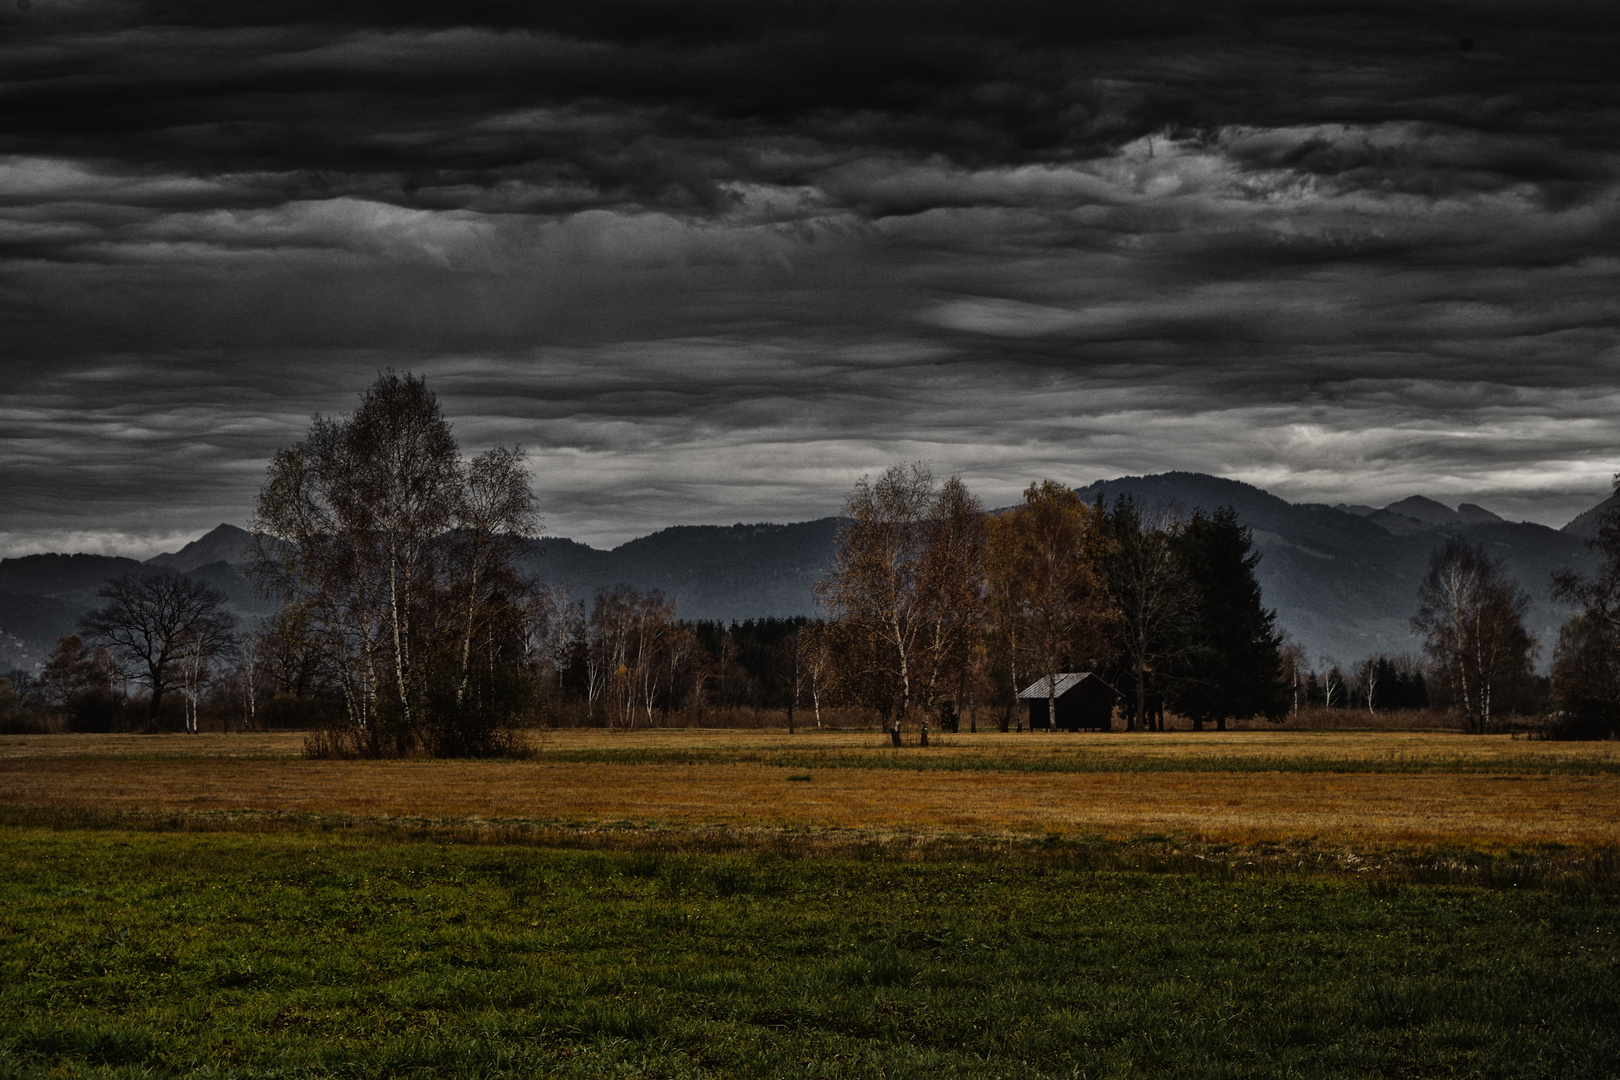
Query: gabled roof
[1065,682]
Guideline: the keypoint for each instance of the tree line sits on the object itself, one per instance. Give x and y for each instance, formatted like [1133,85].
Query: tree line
[936,608]
[407,626]
[1480,658]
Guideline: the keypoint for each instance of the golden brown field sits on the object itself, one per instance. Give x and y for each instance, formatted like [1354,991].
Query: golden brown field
[1397,748]
[1433,788]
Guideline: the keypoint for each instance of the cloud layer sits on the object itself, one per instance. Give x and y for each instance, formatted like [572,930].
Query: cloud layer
[710,262]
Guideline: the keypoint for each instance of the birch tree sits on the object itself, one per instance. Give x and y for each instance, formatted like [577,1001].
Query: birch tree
[904,586]
[952,595]
[1332,678]
[631,636]
[1294,671]
[1471,616]
[401,559]
[203,641]
[813,661]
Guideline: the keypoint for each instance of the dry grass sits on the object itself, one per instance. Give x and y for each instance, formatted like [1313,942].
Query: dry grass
[1358,809]
[1395,750]
[268,744]
[1435,788]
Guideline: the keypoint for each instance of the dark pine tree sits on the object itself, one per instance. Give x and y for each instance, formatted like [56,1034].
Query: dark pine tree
[1399,686]
[1233,669]
[753,659]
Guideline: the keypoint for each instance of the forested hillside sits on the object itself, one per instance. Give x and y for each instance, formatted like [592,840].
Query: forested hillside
[1343,580]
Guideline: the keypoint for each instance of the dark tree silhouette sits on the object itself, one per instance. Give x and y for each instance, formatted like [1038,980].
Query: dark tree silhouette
[1233,668]
[1156,601]
[79,681]
[157,625]
[1586,664]
[1586,679]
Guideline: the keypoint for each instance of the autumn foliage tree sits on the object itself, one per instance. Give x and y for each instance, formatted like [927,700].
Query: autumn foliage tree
[905,588]
[80,682]
[1048,596]
[402,560]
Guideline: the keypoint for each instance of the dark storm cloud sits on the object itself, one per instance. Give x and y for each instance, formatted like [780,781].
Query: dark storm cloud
[710,261]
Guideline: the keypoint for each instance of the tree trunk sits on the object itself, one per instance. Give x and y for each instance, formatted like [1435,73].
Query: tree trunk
[252,718]
[397,620]
[1140,713]
[905,678]
[466,640]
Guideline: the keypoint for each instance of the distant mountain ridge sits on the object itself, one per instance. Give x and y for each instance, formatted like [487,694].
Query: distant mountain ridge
[1585,526]
[1343,579]
[719,572]
[224,543]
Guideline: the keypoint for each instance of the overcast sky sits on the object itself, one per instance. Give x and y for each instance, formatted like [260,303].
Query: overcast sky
[710,262]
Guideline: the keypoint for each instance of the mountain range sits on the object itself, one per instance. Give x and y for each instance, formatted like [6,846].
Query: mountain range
[1343,579]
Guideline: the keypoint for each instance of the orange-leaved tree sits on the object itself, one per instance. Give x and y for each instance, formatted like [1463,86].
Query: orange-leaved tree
[1048,599]
[905,587]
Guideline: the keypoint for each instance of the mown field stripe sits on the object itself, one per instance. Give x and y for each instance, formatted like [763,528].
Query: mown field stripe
[922,760]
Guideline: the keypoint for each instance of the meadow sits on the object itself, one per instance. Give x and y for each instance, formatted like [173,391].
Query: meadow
[1368,789]
[679,904]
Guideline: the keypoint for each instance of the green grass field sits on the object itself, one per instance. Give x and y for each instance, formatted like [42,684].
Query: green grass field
[300,952]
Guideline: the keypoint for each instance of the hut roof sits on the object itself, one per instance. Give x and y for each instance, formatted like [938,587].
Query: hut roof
[1065,682]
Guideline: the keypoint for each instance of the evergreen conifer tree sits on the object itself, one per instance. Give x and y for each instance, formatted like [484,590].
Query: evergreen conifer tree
[1233,668]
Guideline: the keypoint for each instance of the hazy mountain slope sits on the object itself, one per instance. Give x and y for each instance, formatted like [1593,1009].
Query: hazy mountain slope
[225,543]
[1425,510]
[1345,585]
[42,596]
[710,571]
[62,575]
[1472,514]
[1585,526]
[29,621]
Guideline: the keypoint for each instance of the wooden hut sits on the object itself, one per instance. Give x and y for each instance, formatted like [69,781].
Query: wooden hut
[1084,702]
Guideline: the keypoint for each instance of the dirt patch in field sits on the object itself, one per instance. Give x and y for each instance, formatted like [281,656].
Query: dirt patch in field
[1364,809]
